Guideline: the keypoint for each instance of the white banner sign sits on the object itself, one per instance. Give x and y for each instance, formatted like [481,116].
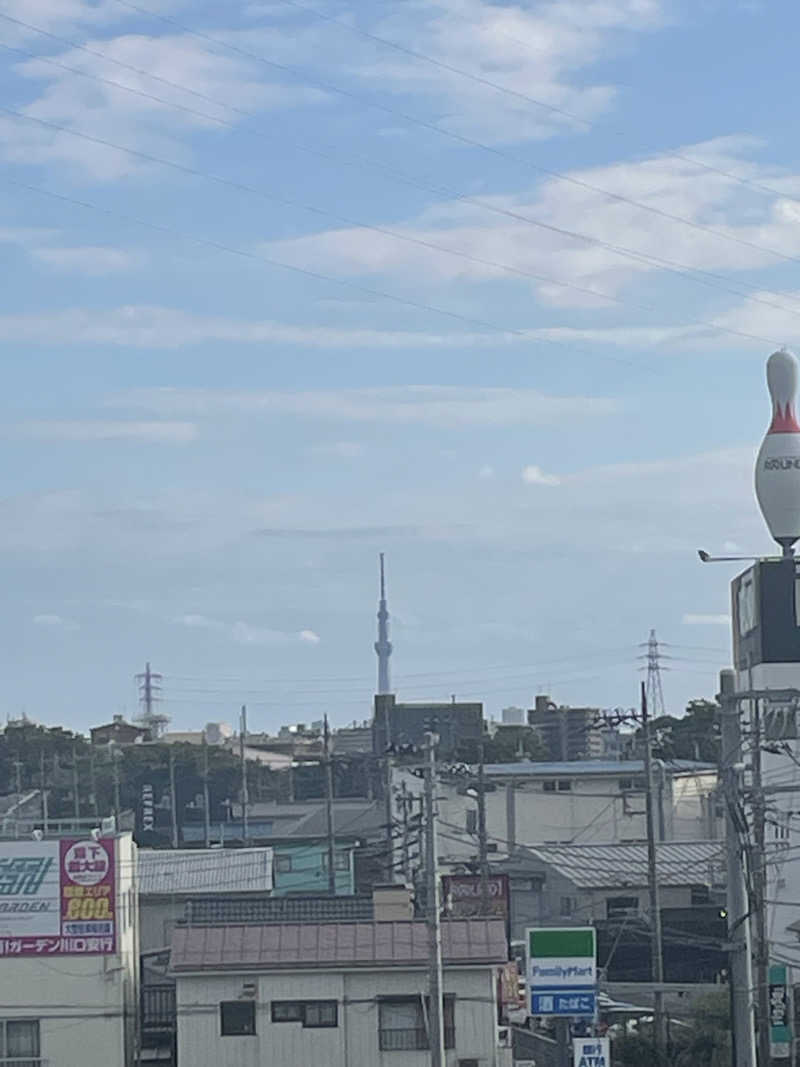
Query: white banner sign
[30,889]
[591,1052]
[568,971]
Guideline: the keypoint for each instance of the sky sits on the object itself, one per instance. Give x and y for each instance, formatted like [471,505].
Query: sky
[487,286]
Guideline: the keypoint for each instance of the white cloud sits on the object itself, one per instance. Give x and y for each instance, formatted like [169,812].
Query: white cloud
[486,472]
[107,112]
[533,475]
[54,622]
[244,633]
[477,241]
[179,433]
[706,620]
[90,259]
[434,404]
[540,52]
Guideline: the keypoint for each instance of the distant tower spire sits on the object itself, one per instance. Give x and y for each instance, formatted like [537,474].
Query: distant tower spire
[383,646]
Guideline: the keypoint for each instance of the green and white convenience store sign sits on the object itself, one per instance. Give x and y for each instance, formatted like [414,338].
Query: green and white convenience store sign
[562,971]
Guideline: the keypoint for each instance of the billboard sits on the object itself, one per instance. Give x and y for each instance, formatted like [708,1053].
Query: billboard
[462,894]
[562,971]
[57,898]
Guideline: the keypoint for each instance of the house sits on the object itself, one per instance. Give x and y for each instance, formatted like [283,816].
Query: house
[585,801]
[607,886]
[169,879]
[346,994]
[120,732]
[68,942]
[297,834]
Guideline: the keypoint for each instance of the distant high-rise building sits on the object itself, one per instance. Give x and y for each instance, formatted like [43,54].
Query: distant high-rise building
[568,733]
[407,724]
[383,646]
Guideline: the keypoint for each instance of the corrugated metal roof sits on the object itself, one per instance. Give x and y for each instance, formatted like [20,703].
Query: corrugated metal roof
[204,870]
[616,866]
[358,944]
[585,768]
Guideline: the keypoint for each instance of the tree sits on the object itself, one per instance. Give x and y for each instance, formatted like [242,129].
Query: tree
[694,736]
[510,744]
[704,1042]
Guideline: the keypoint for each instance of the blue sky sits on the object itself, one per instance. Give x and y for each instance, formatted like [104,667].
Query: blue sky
[486,286]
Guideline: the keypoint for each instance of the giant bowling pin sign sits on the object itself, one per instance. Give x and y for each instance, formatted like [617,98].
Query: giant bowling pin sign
[778,463]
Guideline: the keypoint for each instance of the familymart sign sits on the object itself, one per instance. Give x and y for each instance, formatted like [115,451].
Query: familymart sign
[562,971]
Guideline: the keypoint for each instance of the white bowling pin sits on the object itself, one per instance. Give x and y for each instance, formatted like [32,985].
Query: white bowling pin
[778,463]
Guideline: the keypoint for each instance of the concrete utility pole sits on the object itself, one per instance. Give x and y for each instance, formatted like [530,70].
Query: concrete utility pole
[758,873]
[76,800]
[245,793]
[740,963]
[656,948]
[387,798]
[42,783]
[483,848]
[435,1016]
[173,799]
[206,801]
[329,809]
[116,755]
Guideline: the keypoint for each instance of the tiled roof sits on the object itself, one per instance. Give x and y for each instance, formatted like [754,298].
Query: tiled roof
[206,870]
[615,866]
[357,944]
[213,911]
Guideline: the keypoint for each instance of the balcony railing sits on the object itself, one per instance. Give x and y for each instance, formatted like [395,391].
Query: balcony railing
[23,1061]
[411,1039]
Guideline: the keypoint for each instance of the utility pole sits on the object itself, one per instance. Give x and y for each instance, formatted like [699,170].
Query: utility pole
[18,765]
[740,963]
[149,683]
[206,802]
[483,850]
[656,951]
[42,783]
[436,1027]
[115,758]
[387,796]
[76,800]
[245,794]
[405,800]
[329,809]
[93,784]
[173,799]
[758,907]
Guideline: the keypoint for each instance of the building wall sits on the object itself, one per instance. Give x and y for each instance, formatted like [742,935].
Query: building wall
[309,872]
[87,1006]
[353,1043]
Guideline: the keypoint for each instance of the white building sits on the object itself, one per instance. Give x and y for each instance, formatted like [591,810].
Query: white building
[346,994]
[69,946]
[583,801]
[169,878]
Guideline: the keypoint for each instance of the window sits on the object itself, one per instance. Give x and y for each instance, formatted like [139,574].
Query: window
[549,787]
[564,785]
[402,1024]
[313,1014]
[472,821]
[621,907]
[568,906]
[19,1042]
[341,861]
[700,895]
[283,864]
[237,1018]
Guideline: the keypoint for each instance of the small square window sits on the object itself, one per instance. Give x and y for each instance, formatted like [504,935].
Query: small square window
[564,785]
[341,861]
[237,1018]
[320,1013]
[283,864]
[549,787]
[287,1011]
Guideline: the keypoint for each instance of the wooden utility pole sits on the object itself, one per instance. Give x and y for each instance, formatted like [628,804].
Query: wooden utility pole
[435,1014]
[328,767]
[656,950]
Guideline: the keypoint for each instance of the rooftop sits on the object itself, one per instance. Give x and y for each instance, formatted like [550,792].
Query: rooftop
[345,944]
[212,870]
[679,863]
[351,818]
[587,768]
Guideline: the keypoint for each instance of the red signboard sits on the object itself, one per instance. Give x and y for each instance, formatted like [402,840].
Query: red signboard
[57,898]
